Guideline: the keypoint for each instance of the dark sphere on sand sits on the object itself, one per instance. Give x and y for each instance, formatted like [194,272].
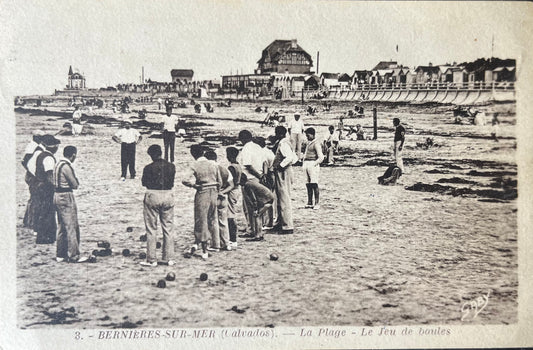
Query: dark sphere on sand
[274,257]
[203,277]
[126,252]
[171,276]
[96,252]
[158,245]
[103,244]
[142,255]
[92,259]
[142,238]
[161,284]
[129,229]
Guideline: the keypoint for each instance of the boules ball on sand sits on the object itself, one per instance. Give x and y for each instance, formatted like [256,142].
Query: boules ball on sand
[161,284]
[142,238]
[274,257]
[92,259]
[158,245]
[142,255]
[203,277]
[103,244]
[126,252]
[129,229]
[171,276]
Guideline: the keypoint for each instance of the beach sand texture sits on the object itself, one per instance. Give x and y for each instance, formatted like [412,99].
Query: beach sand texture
[372,255]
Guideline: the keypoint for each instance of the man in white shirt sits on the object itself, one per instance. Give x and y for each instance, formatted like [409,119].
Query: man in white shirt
[296,130]
[252,160]
[168,125]
[42,168]
[128,139]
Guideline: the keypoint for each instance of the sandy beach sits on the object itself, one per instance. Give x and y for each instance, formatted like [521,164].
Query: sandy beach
[413,253]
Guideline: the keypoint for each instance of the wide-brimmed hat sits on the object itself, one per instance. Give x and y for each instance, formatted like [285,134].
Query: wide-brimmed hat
[49,140]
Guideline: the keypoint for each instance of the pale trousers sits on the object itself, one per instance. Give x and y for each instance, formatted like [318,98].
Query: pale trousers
[398,155]
[159,204]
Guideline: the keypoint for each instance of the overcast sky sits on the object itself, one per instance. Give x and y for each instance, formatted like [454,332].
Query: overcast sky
[109,41]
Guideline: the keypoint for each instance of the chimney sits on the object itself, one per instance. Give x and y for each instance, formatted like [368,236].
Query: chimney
[430,64]
[293,43]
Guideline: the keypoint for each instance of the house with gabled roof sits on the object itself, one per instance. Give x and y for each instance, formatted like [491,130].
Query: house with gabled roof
[284,56]
[329,79]
[427,74]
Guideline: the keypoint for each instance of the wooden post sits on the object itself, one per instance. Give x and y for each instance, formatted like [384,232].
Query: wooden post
[375,117]
[302,96]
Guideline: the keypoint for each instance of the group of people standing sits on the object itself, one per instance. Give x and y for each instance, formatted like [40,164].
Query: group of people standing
[261,172]
[51,184]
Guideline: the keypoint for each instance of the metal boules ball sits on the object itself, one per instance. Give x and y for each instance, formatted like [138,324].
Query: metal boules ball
[129,229]
[171,276]
[92,259]
[142,255]
[142,238]
[126,252]
[161,284]
[158,245]
[203,277]
[274,257]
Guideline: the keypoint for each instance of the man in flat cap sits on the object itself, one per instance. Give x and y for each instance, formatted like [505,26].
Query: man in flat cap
[35,144]
[45,222]
[128,139]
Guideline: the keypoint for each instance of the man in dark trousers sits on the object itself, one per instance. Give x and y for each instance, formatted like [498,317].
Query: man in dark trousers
[399,138]
[158,178]
[168,125]
[128,139]
[32,147]
[68,233]
[44,162]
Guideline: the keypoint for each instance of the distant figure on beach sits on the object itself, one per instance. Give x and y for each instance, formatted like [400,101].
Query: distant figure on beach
[159,103]
[42,165]
[68,233]
[312,159]
[391,175]
[296,131]
[31,148]
[331,144]
[168,126]
[221,242]
[399,139]
[169,103]
[205,178]
[158,178]
[128,139]
[76,115]
[495,129]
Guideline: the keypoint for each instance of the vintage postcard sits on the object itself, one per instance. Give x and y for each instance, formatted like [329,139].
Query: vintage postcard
[278,175]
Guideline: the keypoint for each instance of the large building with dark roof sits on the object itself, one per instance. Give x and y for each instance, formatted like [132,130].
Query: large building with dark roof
[181,75]
[284,56]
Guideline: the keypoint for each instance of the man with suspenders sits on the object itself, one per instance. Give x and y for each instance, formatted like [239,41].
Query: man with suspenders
[68,234]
